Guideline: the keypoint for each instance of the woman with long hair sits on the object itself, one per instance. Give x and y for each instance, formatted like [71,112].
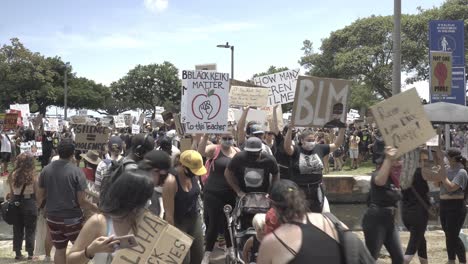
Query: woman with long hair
[453,186]
[378,222]
[303,237]
[217,192]
[308,164]
[123,203]
[24,177]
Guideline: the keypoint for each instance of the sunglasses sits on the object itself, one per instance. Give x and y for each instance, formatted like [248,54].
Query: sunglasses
[227,138]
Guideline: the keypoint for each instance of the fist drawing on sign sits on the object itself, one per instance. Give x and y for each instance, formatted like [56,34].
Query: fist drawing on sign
[441,73]
[206,108]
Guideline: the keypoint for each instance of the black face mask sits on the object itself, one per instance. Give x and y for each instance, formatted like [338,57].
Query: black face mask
[189,173]
[253,155]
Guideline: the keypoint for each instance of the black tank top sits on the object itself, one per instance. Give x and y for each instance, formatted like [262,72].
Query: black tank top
[216,182]
[317,246]
[186,203]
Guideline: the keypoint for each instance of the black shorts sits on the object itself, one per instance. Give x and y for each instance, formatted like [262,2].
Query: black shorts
[5,156]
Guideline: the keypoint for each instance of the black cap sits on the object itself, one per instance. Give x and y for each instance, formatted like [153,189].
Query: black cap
[158,159]
[280,189]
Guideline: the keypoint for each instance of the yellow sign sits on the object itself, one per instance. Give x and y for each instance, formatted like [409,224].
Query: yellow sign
[441,73]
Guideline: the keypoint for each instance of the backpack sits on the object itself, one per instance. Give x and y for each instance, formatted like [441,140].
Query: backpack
[209,164]
[352,249]
[115,170]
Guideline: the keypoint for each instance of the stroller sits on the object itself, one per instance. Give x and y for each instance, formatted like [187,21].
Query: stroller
[239,221]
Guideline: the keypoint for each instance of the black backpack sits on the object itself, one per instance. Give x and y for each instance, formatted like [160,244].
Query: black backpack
[116,169]
[352,250]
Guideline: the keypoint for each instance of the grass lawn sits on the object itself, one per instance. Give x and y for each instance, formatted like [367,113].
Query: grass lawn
[365,168]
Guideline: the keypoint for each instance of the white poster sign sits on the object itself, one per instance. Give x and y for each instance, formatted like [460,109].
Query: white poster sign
[205,101]
[282,86]
[135,129]
[24,108]
[51,124]
[119,121]
[256,115]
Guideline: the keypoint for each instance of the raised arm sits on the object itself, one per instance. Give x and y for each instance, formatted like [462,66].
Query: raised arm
[288,146]
[168,195]
[241,126]
[275,129]
[384,171]
[338,140]
[204,149]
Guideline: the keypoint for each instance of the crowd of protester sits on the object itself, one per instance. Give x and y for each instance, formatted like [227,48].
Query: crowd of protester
[89,198]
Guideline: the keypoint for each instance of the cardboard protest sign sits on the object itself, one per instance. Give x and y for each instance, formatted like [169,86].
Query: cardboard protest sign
[25,112]
[128,119]
[441,73]
[158,242]
[106,121]
[403,121]
[141,120]
[205,97]
[51,124]
[78,120]
[282,86]
[433,142]
[178,125]
[82,112]
[248,96]
[89,137]
[159,110]
[269,117]
[119,121]
[320,102]
[10,122]
[136,129]
[256,115]
[33,147]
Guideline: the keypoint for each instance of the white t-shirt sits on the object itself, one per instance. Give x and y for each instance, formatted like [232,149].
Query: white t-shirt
[6,144]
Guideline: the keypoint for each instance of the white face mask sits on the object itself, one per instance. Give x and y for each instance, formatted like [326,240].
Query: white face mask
[309,145]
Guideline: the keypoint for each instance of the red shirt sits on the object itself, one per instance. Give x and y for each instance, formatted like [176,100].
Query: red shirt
[89,173]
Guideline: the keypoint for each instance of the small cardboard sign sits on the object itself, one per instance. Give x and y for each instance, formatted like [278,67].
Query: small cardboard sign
[10,122]
[279,116]
[51,124]
[158,242]
[78,120]
[205,97]
[89,137]
[248,96]
[441,73]
[282,86]
[33,147]
[136,129]
[403,121]
[320,102]
[119,121]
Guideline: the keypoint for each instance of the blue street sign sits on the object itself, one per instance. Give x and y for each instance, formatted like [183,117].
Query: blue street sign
[448,35]
[458,95]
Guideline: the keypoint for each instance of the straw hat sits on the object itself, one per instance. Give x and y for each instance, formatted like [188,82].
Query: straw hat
[92,157]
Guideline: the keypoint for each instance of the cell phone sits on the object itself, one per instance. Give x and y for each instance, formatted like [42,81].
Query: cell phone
[127,241]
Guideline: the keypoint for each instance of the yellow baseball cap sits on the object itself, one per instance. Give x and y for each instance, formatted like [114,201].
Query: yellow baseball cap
[194,161]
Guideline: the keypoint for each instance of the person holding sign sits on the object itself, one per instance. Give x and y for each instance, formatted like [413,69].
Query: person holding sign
[180,199]
[378,223]
[452,201]
[307,164]
[122,206]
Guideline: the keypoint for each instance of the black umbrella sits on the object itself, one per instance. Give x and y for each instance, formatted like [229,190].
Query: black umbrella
[447,113]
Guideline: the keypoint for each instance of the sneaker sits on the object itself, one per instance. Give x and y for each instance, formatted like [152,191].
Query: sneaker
[19,257]
[206,258]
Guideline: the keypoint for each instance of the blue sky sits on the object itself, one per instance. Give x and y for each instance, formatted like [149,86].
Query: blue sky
[104,39]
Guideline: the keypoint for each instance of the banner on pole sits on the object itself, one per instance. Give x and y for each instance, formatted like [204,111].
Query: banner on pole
[320,102]
[282,86]
[205,101]
[403,121]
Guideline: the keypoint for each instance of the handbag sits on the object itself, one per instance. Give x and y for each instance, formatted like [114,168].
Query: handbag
[11,209]
[432,209]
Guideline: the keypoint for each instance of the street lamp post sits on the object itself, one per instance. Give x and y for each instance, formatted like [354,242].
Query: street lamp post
[65,94]
[396,77]
[227,46]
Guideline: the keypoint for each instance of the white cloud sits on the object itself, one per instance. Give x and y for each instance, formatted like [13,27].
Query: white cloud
[157,6]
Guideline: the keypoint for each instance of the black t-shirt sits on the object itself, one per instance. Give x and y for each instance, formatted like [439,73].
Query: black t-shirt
[307,166]
[216,182]
[409,200]
[281,157]
[387,195]
[253,175]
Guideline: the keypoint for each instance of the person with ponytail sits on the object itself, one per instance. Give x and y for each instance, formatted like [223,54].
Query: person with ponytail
[453,186]
[378,222]
[217,192]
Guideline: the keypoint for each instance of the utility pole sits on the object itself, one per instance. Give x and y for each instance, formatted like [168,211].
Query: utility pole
[396,76]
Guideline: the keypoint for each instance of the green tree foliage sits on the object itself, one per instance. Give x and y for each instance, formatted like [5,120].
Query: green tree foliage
[148,86]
